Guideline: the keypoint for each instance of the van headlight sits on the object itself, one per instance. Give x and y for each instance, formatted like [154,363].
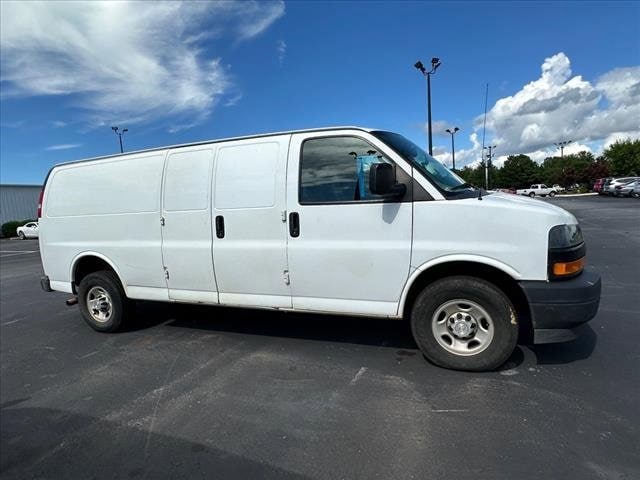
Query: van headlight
[562,236]
[567,251]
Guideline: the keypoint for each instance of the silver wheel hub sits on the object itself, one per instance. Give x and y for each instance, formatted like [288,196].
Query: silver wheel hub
[461,324]
[462,327]
[99,304]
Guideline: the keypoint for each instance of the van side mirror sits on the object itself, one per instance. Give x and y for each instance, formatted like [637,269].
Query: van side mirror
[382,181]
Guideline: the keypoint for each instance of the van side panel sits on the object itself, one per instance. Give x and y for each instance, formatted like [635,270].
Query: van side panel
[108,207]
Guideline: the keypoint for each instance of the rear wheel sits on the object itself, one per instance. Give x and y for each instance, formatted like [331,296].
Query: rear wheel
[464,323]
[103,302]
[552,194]
[532,194]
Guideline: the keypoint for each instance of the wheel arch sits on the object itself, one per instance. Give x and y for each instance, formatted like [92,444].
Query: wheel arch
[502,276]
[88,262]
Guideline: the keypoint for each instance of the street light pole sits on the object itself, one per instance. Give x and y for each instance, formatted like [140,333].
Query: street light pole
[453,149]
[561,145]
[435,63]
[488,165]
[120,133]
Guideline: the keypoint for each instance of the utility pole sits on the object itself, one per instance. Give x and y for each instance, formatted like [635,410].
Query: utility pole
[453,148]
[435,63]
[561,145]
[487,165]
[120,133]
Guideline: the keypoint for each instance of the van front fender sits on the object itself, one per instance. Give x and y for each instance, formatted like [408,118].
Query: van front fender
[458,260]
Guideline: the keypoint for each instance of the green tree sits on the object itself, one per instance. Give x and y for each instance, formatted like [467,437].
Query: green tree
[473,175]
[551,170]
[624,156]
[599,169]
[568,170]
[519,171]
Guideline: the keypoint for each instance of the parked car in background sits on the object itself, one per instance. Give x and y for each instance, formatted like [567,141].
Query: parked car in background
[627,189]
[508,190]
[636,191]
[605,185]
[537,189]
[29,230]
[598,184]
[558,188]
[610,189]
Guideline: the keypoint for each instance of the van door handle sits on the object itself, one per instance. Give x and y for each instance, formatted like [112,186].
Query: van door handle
[220,226]
[294,224]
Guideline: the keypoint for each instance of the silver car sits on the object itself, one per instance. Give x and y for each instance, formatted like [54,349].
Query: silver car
[621,181]
[627,189]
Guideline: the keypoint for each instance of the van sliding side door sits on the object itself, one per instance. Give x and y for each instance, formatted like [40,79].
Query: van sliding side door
[187,248]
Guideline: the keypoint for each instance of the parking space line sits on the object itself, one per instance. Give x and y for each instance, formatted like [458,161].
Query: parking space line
[13,253]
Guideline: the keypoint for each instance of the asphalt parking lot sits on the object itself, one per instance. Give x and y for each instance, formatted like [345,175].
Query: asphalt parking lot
[194,392]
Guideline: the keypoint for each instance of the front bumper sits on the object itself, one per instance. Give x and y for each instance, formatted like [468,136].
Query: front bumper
[559,307]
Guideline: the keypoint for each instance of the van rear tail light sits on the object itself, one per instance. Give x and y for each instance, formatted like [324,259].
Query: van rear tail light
[40,203]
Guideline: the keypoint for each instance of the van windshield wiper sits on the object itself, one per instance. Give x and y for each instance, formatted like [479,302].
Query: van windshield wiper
[461,186]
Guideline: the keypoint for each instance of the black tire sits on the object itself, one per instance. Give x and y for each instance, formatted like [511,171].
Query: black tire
[21,235]
[488,297]
[120,307]
[552,194]
[532,194]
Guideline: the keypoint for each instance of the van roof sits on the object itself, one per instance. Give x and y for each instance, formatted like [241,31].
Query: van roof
[205,142]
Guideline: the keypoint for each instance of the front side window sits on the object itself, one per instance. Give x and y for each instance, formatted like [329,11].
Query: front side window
[449,184]
[336,170]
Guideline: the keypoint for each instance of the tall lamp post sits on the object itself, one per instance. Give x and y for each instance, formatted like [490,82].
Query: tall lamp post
[435,63]
[120,133]
[453,149]
[561,145]
[487,166]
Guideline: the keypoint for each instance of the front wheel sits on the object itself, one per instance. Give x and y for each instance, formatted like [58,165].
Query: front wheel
[464,323]
[21,235]
[532,194]
[552,194]
[103,302]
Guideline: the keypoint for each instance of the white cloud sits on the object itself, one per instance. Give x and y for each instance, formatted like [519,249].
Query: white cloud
[64,146]
[126,62]
[59,123]
[233,100]
[558,106]
[281,48]
[438,128]
[16,124]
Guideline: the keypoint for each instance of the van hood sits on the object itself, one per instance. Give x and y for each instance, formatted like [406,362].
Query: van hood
[508,201]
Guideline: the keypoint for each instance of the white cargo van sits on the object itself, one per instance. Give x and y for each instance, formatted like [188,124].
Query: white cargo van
[338,220]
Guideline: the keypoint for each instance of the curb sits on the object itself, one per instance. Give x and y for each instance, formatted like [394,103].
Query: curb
[562,195]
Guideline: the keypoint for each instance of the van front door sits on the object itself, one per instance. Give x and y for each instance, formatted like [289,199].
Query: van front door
[348,250]
[250,243]
[186,225]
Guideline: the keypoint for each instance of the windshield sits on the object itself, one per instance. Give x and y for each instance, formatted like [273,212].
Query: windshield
[441,176]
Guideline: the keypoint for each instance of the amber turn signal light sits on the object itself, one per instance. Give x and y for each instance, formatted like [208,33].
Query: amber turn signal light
[568,268]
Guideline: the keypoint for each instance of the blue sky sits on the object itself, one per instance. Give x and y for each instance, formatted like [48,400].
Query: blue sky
[175,73]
